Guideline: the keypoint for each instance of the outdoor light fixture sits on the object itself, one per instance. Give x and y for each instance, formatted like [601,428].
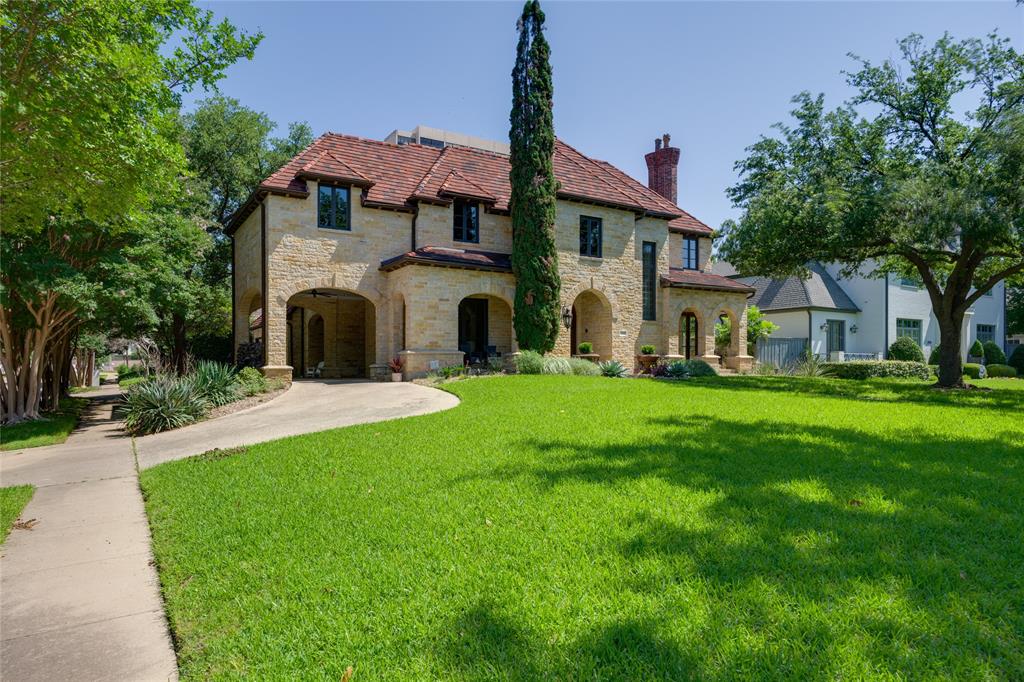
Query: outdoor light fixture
[824,326]
[566,316]
[853,329]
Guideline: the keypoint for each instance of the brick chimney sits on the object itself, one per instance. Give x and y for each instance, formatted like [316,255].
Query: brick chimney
[662,167]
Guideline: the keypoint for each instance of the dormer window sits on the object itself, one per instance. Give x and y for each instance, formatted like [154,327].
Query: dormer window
[466,221]
[334,211]
[691,253]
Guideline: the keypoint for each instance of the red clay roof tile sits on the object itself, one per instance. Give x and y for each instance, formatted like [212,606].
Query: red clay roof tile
[695,279]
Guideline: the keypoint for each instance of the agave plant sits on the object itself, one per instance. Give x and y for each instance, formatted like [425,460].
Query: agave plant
[217,382]
[163,403]
[809,365]
[678,370]
[613,369]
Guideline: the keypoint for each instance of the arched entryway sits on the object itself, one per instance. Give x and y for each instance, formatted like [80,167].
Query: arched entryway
[485,327]
[334,327]
[727,336]
[592,323]
[690,341]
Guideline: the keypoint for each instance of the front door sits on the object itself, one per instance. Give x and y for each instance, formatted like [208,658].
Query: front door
[836,339]
[688,334]
[473,328]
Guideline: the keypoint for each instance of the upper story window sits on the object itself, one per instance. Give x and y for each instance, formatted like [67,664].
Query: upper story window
[985,332]
[590,236]
[333,209]
[691,253]
[431,142]
[649,255]
[466,221]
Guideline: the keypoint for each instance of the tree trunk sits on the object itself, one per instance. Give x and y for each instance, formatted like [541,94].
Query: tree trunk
[179,353]
[951,370]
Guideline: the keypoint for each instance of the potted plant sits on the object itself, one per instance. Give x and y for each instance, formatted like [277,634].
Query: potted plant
[395,365]
[586,352]
[647,359]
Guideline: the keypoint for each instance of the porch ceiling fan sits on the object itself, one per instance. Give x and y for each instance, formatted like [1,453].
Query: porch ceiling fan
[314,293]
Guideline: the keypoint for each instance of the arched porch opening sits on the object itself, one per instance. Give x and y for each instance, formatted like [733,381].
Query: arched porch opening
[727,333]
[691,341]
[485,327]
[335,327]
[592,323]
[253,311]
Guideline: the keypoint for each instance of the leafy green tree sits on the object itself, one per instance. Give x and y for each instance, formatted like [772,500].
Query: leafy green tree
[904,185]
[532,204]
[1015,309]
[758,327]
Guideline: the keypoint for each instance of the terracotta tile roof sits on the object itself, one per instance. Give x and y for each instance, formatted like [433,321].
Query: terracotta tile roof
[695,279]
[397,176]
[448,257]
[687,224]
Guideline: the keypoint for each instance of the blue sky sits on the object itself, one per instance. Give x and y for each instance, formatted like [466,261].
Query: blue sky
[715,75]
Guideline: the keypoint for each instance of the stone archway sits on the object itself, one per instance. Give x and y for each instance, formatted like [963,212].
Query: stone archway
[691,329]
[484,327]
[333,326]
[736,344]
[592,323]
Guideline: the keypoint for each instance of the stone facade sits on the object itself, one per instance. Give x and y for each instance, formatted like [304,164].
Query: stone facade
[367,316]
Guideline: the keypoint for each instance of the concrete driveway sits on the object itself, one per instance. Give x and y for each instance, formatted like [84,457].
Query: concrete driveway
[79,595]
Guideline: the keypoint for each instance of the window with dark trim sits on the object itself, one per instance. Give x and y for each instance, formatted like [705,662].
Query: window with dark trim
[466,221]
[911,328]
[649,256]
[333,209]
[985,332]
[590,236]
[691,253]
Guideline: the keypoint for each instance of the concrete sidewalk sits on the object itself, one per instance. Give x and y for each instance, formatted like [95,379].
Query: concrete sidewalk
[79,595]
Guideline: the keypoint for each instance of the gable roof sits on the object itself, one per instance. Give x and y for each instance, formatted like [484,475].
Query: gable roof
[819,290]
[397,176]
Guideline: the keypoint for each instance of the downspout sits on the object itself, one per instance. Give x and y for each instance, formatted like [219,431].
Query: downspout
[263,267]
[415,214]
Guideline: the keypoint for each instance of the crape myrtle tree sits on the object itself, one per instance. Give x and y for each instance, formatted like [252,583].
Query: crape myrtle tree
[89,101]
[532,176]
[920,174]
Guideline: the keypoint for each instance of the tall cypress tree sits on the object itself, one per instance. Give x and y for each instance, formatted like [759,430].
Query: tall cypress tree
[532,204]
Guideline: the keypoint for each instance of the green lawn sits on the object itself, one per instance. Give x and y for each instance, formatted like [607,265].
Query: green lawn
[591,528]
[51,430]
[12,501]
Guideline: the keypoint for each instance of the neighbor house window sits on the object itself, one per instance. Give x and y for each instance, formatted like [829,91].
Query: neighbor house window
[986,332]
[911,328]
[910,282]
[691,253]
[649,255]
[334,211]
[466,226]
[590,236]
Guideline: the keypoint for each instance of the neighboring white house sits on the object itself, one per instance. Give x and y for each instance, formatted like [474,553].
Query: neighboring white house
[860,316]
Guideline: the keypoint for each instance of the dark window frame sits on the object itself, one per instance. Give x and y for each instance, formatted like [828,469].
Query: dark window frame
[687,243]
[649,265]
[461,210]
[588,226]
[990,332]
[332,219]
[911,327]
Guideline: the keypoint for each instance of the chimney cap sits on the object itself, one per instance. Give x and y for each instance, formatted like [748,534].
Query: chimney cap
[665,139]
[657,143]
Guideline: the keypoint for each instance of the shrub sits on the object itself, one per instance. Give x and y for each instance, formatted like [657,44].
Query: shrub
[163,403]
[129,372]
[678,370]
[251,381]
[699,368]
[975,370]
[809,365]
[997,370]
[613,369]
[1017,359]
[452,371]
[659,370]
[647,349]
[585,348]
[905,348]
[765,369]
[584,368]
[216,381]
[249,354]
[529,362]
[976,350]
[556,366]
[933,357]
[868,369]
[125,384]
[994,355]
[495,365]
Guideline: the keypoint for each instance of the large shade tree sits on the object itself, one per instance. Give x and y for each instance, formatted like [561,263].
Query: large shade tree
[89,98]
[534,188]
[921,174]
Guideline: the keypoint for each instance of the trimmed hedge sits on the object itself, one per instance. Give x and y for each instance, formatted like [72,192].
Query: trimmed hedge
[1017,359]
[905,348]
[933,357]
[994,355]
[998,370]
[529,362]
[974,370]
[867,369]
[976,350]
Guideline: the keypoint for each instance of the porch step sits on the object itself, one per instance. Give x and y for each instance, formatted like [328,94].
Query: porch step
[725,371]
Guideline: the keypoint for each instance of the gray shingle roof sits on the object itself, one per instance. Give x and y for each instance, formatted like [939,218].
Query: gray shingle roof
[818,291]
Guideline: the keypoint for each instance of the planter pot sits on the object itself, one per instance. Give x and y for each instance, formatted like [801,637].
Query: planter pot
[592,357]
[644,363]
[396,376]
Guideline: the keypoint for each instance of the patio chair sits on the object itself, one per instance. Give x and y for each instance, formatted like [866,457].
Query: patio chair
[314,372]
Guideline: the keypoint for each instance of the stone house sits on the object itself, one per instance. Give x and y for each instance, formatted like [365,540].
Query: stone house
[357,251]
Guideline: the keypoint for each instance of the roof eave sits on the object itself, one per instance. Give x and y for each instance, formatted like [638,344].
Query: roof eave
[392,264]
